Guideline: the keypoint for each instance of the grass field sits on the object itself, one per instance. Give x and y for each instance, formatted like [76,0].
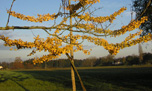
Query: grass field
[95,79]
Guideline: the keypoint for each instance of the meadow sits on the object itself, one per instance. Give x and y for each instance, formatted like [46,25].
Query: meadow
[114,78]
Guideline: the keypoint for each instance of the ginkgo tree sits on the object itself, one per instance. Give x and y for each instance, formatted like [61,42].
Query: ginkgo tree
[85,27]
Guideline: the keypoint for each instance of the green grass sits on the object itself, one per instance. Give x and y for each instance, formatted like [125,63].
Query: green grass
[21,81]
[95,79]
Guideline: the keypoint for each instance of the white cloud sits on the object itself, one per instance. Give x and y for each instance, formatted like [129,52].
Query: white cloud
[86,47]
[6,33]
[1,42]
[129,13]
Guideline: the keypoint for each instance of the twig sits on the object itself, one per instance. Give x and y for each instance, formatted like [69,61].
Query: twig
[9,13]
[33,33]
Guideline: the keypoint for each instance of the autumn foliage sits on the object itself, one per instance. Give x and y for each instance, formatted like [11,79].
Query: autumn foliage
[53,44]
[86,26]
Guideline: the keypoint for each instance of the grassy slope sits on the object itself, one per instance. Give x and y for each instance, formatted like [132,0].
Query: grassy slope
[95,79]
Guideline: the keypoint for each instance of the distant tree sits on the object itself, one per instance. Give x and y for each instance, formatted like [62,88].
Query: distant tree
[105,61]
[140,6]
[128,60]
[147,58]
[50,64]
[18,63]
[18,59]
[89,62]
[5,65]
[78,62]
[124,60]
[98,62]
[110,58]
[28,64]
[63,63]
[45,67]
[132,60]
[140,53]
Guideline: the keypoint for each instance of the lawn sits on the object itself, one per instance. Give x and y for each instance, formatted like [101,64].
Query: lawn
[95,79]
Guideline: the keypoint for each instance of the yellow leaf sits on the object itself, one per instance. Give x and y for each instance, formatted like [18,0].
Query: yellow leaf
[11,48]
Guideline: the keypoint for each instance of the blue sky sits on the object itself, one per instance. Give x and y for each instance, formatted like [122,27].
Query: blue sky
[34,7]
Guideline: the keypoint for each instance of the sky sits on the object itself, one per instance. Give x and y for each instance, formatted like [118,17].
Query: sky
[34,7]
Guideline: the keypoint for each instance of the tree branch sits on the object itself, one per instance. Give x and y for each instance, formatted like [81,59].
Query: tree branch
[9,13]
[26,27]
[148,4]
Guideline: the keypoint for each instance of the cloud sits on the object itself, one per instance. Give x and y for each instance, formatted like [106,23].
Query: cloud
[2,47]
[1,42]
[128,13]
[89,46]
[7,33]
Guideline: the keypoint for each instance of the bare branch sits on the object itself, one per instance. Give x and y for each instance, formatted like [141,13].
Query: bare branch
[44,28]
[33,33]
[9,13]
[55,35]
[26,27]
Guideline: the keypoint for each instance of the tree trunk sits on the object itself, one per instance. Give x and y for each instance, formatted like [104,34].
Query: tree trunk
[72,70]
[73,78]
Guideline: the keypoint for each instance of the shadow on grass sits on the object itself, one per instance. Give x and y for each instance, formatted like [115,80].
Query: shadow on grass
[122,79]
[58,77]
[20,85]
[14,78]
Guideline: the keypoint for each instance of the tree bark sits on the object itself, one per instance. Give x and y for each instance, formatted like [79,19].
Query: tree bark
[73,78]
[72,64]
[71,53]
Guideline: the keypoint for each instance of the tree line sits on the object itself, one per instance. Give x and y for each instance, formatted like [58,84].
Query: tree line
[108,60]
